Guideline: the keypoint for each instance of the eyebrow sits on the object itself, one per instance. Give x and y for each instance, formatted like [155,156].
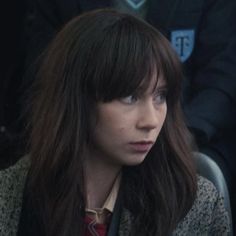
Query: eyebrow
[160,89]
[163,86]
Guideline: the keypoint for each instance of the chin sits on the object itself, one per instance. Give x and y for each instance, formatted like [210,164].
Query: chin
[134,161]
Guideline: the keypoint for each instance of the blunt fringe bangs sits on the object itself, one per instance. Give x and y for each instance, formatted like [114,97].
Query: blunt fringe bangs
[116,48]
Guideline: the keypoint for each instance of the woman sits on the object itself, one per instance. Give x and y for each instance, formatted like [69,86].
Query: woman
[109,150]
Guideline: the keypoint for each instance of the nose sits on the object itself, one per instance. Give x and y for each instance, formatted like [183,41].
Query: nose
[148,117]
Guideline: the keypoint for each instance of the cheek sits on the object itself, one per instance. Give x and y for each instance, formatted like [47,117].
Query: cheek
[117,122]
[119,128]
[111,125]
[122,130]
[163,115]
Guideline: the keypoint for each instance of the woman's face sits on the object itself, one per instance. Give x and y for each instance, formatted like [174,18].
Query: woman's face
[127,128]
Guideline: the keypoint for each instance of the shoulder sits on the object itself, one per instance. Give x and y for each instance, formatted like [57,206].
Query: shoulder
[12,181]
[207,215]
[206,192]
[13,176]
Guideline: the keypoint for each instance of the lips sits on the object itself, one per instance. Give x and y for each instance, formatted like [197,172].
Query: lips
[142,146]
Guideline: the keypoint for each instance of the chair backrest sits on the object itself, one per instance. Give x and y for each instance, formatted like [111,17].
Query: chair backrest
[209,169]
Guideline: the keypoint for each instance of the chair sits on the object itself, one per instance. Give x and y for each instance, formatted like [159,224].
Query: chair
[209,169]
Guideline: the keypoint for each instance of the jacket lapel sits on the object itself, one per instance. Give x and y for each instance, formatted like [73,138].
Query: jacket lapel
[125,223]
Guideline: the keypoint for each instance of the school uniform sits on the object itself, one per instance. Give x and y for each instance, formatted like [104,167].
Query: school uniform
[206,217]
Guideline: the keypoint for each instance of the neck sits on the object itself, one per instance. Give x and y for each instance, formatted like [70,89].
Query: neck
[99,179]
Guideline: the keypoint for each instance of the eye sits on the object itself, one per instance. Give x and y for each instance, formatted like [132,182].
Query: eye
[129,99]
[160,97]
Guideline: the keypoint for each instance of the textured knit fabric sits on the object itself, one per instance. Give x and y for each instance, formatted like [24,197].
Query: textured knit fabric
[12,182]
[206,217]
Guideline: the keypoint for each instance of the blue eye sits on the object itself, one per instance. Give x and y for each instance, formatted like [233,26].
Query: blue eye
[160,97]
[129,99]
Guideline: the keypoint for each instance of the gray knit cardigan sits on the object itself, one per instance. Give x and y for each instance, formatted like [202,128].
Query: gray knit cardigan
[206,217]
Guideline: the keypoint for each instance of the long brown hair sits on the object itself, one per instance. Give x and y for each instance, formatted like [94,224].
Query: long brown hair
[101,56]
